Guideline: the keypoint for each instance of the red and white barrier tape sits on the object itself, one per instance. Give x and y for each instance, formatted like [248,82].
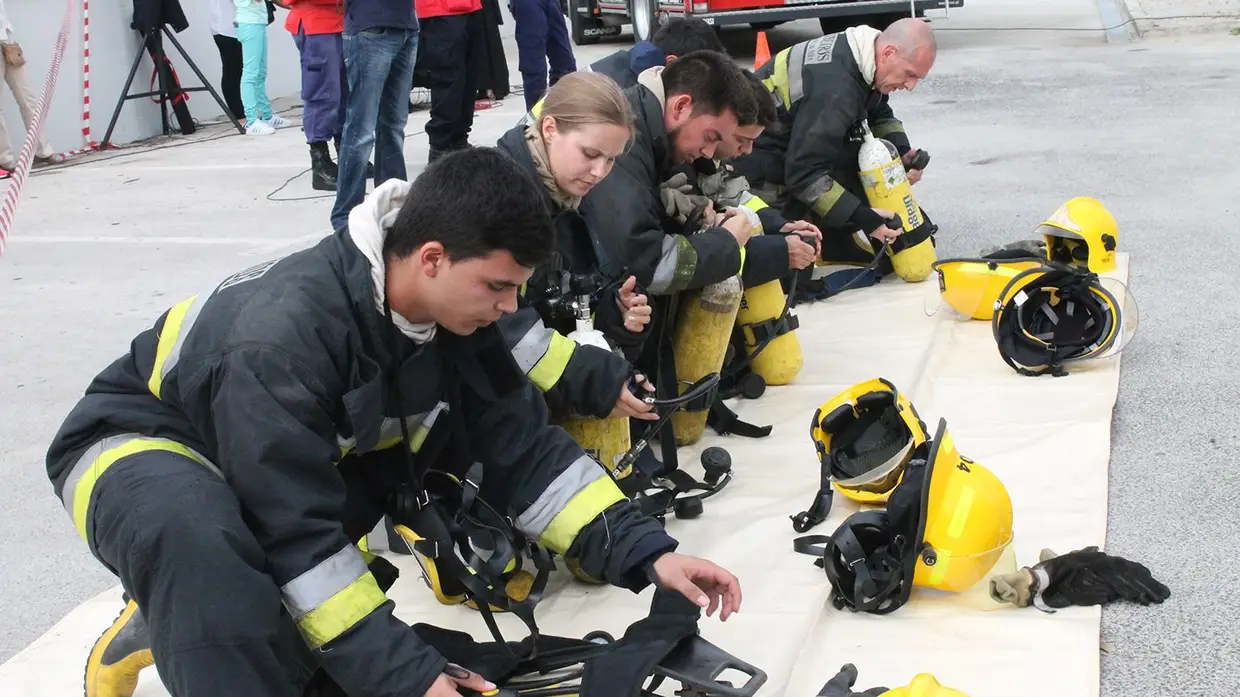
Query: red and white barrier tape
[9,207]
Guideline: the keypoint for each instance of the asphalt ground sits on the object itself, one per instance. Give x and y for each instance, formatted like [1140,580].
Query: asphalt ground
[1017,120]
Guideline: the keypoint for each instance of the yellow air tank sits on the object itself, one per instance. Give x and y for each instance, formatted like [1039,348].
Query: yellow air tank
[761,306]
[887,186]
[699,343]
[608,439]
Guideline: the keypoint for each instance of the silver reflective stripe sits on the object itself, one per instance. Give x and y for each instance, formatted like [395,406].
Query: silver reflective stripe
[812,191]
[89,458]
[316,586]
[665,272]
[533,346]
[796,69]
[187,323]
[556,497]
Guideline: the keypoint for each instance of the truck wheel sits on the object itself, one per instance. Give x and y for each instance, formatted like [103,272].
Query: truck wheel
[643,16]
[578,24]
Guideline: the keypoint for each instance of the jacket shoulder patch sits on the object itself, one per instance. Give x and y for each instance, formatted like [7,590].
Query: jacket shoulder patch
[249,274]
[819,50]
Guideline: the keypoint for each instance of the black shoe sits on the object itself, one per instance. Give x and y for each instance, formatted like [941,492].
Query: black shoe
[324,171]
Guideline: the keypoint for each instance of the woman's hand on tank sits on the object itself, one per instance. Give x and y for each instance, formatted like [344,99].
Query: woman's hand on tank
[631,406]
[634,306]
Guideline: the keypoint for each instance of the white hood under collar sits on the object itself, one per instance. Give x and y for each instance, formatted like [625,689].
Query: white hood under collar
[368,225]
[861,40]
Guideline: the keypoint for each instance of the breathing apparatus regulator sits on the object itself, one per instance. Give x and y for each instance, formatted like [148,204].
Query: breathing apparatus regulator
[946,521]
[610,441]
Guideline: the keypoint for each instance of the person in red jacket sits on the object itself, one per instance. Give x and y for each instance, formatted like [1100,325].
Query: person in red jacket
[451,33]
[316,26]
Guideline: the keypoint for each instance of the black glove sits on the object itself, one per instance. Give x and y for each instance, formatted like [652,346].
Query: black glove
[841,685]
[1084,577]
[1021,249]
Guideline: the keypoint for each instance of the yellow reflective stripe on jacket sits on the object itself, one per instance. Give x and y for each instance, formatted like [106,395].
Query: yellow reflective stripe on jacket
[884,128]
[543,355]
[575,498]
[742,268]
[179,321]
[101,456]
[754,203]
[329,599]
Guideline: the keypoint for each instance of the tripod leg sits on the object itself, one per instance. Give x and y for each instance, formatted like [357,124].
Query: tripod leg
[116,114]
[158,58]
[206,83]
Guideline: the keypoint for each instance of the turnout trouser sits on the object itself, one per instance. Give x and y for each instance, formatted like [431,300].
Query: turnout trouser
[163,520]
[541,38]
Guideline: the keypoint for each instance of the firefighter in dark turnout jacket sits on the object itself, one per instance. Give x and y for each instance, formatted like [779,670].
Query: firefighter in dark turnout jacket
[768,256]
[682,112]
[585,125]
[225,468]
[825,87]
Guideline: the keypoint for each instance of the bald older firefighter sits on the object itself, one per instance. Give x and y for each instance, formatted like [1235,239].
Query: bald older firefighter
[826,88]
[226,467]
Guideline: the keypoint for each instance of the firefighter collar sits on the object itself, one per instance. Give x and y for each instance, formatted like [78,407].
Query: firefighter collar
[368,225]
[652,79]
[861,41]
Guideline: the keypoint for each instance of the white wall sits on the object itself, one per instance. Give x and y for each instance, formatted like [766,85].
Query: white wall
[113,45]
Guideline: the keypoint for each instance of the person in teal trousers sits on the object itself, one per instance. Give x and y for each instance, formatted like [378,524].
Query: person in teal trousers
[252,20]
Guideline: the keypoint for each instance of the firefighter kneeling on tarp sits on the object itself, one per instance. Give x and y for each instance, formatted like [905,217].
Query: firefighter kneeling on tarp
[764,339]
[226,467]
[829,90]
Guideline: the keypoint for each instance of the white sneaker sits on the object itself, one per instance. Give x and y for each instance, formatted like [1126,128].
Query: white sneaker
[277,121]
[259,127]
[419,98]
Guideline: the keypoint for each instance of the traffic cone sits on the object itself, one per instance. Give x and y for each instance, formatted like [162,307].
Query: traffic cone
[761,53]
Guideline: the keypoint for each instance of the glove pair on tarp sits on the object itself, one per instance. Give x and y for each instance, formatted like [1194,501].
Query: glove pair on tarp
[841,685]
[1084,577]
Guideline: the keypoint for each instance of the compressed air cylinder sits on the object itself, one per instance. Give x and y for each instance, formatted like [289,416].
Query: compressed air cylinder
[887,186]
[700,343]
[606,440]
[780,361]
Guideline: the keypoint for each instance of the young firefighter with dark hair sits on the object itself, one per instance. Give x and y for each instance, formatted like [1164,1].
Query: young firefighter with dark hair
[682,113]
[771,255]
[225,467]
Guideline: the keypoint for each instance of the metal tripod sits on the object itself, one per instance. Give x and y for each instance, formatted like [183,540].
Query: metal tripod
[152,44]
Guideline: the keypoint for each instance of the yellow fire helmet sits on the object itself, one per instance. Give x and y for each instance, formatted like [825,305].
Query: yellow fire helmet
[923,685]
[1055,314]
[1082,232]
[945,527]
[971,286]
[864,437]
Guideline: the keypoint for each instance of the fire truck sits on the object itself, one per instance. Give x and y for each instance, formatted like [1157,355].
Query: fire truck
[591,20]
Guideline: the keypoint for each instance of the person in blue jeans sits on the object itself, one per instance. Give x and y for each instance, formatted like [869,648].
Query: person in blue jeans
[380,47]
[541,38]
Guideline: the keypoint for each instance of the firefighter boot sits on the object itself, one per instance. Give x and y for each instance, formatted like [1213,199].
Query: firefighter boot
[323,170]
[119,655]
